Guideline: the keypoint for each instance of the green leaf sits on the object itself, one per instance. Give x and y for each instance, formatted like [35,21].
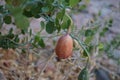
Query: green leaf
[15,2]
[11,30]
[15,10]
[89,39]
[1,21]
[110,22]
[23,50]
[60,14]
[66,22]
[57,25]
[67,1]
[82,7]
[64,3]
[27,13]
[100,46]
[89,33]
[30,33]
[74,2]
[8,1]
[105,29]
[85,54]
[41,43]
[83,74]
[50,27]
[42,25]
[36,39]
[7,19]
[21,21]
[1,9]
[35,45]
[23,31]
[16,39]
[69,23]
[45,9]
[11,36]
[35,8]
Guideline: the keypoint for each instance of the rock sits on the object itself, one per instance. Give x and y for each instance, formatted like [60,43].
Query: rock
[101,74]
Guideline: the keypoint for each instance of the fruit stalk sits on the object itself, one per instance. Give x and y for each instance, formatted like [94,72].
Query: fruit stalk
[64,45]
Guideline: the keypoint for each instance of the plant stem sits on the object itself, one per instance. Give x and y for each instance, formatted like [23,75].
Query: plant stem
[46,65]
[81,44]
[71,22]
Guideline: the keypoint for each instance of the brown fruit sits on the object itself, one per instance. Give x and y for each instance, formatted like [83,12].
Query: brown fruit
[64,47]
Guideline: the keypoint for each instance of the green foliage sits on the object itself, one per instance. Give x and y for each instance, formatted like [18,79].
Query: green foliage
[82,7]
[38,41]
[9,40]
[41,43]
[83,74]
[85,52]
[60,15]
[101,46]
[74,2]
[89,32]
[66,22]
[110,22]
[7,19]
[111,46]
[53,11]
[50,27]
[20,9]
[42,25]
[21,21]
